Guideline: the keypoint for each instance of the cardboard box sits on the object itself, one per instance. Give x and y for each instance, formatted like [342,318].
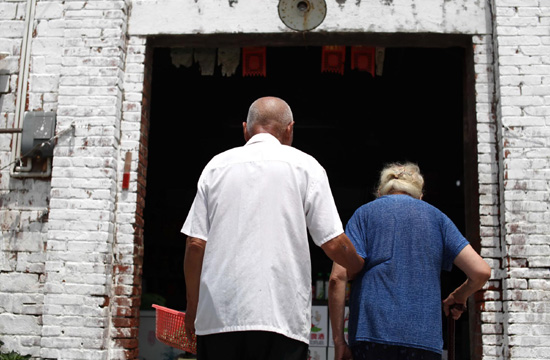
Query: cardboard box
[319,326]
[330,353]
[317,353]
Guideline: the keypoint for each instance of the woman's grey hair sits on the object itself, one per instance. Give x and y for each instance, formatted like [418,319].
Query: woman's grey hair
[401,177]
[268,112]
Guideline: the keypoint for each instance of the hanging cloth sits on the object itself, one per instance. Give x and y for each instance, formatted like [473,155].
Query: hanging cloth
[363,58]
[228,60]
[333,59]
[206,58]
[254,61]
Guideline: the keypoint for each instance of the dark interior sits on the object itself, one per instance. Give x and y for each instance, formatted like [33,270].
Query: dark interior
[352,123]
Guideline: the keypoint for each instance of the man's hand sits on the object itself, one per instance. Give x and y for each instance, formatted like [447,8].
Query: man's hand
[190,316]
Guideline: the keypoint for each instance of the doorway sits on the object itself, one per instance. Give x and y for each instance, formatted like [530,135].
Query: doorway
[352,124]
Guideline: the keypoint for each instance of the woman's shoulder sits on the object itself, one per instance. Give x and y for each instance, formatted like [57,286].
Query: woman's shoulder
[406,202]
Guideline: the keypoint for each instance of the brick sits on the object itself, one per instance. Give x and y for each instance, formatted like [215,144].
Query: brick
[519,59]
[535,70]
[12,29]
[19,324]
[19,282]
[44,83]
[49,10]
[518,21]
[540,262]
[47,46]
[8,11]
[534,30]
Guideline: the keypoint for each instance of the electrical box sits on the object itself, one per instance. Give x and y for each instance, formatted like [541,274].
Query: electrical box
[38,129]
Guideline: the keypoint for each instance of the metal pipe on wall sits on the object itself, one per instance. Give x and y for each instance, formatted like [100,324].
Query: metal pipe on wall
[22,82]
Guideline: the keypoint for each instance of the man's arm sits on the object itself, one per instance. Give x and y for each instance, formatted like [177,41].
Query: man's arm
[341,251]
[478,273]
[192,267]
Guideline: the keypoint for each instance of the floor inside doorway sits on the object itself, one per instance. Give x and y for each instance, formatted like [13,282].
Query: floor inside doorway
[352,123]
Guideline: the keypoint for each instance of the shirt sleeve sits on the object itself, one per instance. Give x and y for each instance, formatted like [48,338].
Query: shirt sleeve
[454,242]
[322,218]
[197,224]
[355,232]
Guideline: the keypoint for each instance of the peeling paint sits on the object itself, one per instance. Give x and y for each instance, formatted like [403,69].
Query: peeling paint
[165,17]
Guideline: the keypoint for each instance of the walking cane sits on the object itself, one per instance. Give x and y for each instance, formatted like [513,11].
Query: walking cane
[450,337]
[451,331]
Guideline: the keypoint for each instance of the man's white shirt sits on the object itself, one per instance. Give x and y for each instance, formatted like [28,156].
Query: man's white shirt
[254,206]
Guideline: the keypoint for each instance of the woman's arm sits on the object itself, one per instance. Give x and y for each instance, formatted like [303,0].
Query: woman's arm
[336,305]
[478,273]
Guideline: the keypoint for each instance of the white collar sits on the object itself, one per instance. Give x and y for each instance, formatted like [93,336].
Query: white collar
[262,137]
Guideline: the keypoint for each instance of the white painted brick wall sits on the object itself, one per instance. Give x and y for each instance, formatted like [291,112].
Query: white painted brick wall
[491,248]
[23,213]
[90,96]
[522,36]
[76,69]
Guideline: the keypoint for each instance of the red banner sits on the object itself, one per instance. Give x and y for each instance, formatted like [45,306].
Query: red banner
[363,58]
[333,59]
[254,61]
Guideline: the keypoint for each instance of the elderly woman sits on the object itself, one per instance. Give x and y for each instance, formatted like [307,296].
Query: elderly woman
[395,301]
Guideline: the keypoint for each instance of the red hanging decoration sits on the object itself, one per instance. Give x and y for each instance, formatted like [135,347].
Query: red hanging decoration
[254,61]
[333,60]
[363,58]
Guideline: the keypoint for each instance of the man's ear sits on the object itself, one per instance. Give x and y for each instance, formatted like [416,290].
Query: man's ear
[289,134]
[245,132]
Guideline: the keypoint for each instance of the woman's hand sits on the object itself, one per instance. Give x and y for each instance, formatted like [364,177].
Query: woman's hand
[336,305]
[451,305]
[342,352]
[478,273]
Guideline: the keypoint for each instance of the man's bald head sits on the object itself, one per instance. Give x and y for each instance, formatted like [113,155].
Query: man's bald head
[272,115]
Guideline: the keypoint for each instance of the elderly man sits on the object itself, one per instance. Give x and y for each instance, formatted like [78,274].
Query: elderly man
[247,262]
